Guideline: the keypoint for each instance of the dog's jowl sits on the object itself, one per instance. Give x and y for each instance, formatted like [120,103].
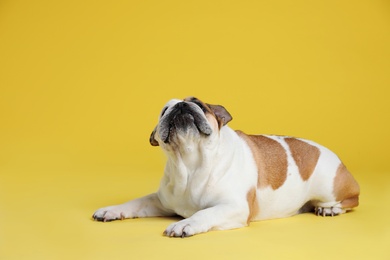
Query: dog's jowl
[217,178]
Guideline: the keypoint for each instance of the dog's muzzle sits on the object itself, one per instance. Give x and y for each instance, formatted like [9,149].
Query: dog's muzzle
[183,117]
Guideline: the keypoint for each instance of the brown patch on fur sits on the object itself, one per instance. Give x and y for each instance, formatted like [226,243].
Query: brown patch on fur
[271,160]
[350,203]
[253,205]
[219,112]
[305,156]
[200,103]
[346,189]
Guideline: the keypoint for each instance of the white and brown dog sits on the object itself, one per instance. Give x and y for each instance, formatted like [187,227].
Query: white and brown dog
[218,178]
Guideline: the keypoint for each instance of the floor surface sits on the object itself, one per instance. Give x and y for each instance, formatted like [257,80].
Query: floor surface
[46,214]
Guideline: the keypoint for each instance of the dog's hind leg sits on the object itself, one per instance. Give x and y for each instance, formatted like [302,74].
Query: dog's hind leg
[346,192]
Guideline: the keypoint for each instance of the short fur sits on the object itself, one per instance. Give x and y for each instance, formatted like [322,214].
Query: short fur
[217,178]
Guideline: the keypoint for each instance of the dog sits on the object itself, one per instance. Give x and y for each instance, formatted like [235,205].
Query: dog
[218,179]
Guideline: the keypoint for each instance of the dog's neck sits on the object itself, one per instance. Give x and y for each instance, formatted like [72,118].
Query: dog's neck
[195,162]
[193,154]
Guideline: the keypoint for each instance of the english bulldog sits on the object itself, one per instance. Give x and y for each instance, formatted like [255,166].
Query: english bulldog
[217,178]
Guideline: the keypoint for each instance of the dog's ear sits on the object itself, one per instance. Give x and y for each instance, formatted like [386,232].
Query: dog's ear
[222,115]
[152,140]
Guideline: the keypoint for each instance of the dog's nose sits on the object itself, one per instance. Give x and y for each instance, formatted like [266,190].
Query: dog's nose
[181,105]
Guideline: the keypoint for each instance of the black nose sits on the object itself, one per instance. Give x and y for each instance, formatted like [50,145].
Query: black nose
[181,105]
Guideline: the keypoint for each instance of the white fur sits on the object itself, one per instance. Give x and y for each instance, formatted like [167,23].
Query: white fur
[294,193]
[207,181]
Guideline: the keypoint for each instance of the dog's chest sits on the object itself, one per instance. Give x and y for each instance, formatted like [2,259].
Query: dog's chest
[185,196]
[184,203]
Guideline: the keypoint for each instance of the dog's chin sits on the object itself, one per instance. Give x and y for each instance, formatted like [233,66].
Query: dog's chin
[181,137]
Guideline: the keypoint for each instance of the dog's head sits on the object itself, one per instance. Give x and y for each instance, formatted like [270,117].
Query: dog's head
[182,121]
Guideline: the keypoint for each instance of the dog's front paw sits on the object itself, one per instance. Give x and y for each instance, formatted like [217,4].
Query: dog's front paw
[182,229]
[109,214]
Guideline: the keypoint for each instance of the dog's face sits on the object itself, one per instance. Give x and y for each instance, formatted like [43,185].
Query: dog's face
[188,120]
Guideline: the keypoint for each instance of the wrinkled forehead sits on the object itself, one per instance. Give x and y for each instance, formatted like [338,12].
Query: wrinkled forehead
[205,107]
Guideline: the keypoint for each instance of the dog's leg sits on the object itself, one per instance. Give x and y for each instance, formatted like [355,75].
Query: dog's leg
[148,206]
[346,191]
[335,208]
[220,217]
[328,209]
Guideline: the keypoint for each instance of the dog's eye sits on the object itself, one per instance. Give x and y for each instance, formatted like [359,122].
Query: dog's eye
[199,105]
[164,110]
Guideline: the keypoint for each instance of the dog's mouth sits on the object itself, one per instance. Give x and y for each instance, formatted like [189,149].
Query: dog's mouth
[183,118]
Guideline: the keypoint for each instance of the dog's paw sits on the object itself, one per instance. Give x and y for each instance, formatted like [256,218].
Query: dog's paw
[181,229]
[328,211]
[109,214]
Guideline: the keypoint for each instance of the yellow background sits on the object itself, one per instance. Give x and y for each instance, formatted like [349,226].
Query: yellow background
[82,83]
